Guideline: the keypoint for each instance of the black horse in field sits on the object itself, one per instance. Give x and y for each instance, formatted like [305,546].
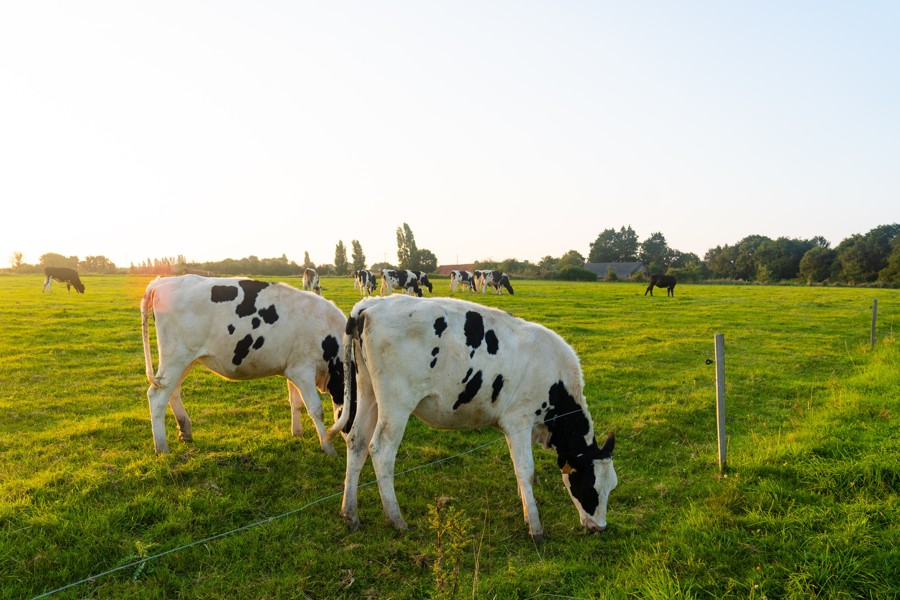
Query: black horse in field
[662,281]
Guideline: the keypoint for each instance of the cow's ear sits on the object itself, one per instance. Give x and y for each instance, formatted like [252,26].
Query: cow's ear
[607,449]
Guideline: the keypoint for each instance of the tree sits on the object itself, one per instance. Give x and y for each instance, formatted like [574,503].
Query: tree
[407,252]
[655,253]
[571,258]
[891,273]
[58,260]
[427,261]
[341,264]
[308,264]
[815,266]
[612,246]
[862,257]
[16,260]
[779,260]
[359,259]
[97,264]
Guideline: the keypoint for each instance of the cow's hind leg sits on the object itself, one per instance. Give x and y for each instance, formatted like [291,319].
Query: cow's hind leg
[358,441]
[385,443]
[185,431]
[310,397]
[168,393]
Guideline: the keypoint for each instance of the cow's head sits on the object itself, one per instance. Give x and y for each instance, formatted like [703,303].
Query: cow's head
[589,478]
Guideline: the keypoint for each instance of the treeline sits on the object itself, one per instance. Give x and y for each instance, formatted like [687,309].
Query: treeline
[872,258]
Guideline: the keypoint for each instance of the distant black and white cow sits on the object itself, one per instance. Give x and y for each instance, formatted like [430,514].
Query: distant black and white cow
[459,365]
[365,282]
[466,279]
[241,329]
[311,281]
[422,278]
[662,281]
[495,279]
[63,275]
[398,279]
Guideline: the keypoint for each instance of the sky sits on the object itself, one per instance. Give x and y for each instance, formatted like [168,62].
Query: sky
[495,130]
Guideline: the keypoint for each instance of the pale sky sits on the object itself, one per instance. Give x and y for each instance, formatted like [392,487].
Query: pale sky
[496,130]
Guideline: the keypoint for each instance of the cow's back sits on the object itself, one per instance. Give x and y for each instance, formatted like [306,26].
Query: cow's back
[469,362]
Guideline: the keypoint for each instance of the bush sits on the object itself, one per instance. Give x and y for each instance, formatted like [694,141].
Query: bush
[573,273]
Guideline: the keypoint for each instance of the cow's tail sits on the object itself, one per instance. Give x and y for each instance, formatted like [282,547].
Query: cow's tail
[345,420]
[146,308]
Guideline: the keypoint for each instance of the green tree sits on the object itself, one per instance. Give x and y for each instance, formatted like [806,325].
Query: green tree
[571,258]
[862,257]
[308,264]
[779,260]
[341,264]
[58,260]
[407,252]
[97,264]
[427,261]
[359,259]
[16,260]
[655,253]
[891,273]
[615,246]
[815,266]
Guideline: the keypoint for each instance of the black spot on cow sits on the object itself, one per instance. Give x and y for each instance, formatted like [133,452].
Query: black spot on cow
[492,342]
[440,324]
[568,427]
[468,394]
[259,343]
[223,293]
[251,289]
[330,347]
[256,322]
[434,353]
[242,349]
[474,329]
[231,330]
[269,315]
[497,386]
[402,278]
[466,378]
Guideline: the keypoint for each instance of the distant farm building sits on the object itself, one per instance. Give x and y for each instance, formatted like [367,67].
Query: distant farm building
[623,270]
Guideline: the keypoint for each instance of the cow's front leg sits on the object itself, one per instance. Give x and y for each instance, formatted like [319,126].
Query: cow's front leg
[384,446]
[185,432]
[518,437]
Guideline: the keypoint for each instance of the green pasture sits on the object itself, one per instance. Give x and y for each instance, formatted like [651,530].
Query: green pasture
[809,506]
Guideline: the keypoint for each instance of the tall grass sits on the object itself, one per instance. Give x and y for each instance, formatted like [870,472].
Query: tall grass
[809,506]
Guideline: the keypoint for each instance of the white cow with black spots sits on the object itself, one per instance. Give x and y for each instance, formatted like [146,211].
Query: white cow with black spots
[241,329]
[466,279]
[400,279]
[460,365]
[496,279]
[365,282]
[311,281]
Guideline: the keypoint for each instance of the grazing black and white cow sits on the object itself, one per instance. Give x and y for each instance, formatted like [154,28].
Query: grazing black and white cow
[63,275]
[496,279]
[241,329]
[459,365]
[466,279]
[365,282]
[422,278]
[662,281]
[311,281]
[398,279]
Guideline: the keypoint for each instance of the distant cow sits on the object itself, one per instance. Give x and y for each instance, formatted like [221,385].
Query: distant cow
[311,281]
[662,281]
[422,278]
[466,279]
[459,365]
[63,275]
[365,282]
[495,279]
[400,279]
[241,329]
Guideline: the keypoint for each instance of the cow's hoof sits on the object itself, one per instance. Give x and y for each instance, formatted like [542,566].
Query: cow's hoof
[352,522]
[186,438]
[537,538]
[329,449]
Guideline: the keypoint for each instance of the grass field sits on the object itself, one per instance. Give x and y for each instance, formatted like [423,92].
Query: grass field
[809,507]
